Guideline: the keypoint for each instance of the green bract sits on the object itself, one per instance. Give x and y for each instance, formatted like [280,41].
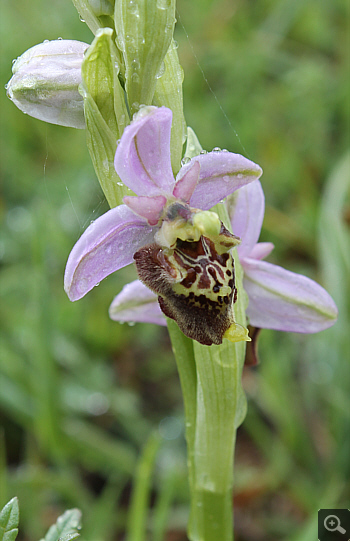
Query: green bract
[168,92]
[144,31]
[96,13]
[105,111]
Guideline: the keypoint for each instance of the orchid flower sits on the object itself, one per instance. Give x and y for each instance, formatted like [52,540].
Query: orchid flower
[278,299]
[181,249]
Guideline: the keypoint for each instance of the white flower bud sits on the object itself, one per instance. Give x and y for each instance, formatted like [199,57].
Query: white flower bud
[45,82]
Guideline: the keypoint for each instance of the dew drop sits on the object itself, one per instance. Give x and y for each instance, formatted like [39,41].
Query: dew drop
[224,150]
[203,152]
[14,60]
[160,71]
[60,39]
[185,160]
[119,184]
[135,78]
[46,41]
[6,86]
[81,19]
[163,4]
[216,149]
[98,283]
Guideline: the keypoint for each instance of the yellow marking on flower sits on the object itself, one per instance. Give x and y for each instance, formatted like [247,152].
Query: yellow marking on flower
[237,333]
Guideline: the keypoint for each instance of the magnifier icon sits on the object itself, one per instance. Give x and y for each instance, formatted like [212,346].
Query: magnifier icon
[332,524]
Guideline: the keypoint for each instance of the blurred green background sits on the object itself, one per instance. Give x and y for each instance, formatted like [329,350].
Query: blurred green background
[81,395]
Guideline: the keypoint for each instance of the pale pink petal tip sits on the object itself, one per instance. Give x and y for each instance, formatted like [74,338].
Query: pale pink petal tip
[185,186]
[150,208]
[136,303]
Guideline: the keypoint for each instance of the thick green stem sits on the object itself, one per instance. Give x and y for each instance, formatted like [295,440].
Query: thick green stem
[215,406]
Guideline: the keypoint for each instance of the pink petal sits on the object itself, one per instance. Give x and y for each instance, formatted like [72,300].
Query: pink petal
[286,301]
[185,186]
[136,302]
[221,173]
[107,245]
[150,208]
[246,210]
[260,250]
[142,159]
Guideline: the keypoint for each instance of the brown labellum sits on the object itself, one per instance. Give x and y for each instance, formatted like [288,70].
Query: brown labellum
[195,284]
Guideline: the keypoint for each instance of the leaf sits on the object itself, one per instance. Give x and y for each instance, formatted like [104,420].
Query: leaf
[66,527]
[9,518]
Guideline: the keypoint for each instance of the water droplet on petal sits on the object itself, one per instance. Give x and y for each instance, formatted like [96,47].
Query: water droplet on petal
[119,183]
[216,149]
[81,19]
[224,150]
[185,160]
[46,41]
[60,39]
[203,152]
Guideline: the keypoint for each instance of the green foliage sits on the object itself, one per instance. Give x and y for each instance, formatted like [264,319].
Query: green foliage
[66,527]
[80,394]
[9,518]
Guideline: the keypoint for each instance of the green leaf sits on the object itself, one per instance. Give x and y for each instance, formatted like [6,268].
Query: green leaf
[142,490]
[193,146]
[9,518]
[95,13]
[144,32]
[168,92]
[66,527]
[105,112]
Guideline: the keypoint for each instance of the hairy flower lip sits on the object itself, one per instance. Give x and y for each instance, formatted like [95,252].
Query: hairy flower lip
[142,161]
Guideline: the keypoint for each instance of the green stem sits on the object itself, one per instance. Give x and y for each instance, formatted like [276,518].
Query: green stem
[215,406]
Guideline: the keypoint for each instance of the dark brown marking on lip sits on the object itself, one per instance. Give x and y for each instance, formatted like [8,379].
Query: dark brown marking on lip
[197,302]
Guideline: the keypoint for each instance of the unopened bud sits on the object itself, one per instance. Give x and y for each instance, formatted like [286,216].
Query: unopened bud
[45,82]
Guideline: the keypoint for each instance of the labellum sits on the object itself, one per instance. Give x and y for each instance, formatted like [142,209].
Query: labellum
[191,270]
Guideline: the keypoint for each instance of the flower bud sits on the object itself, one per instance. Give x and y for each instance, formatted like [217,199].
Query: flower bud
[45,82]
